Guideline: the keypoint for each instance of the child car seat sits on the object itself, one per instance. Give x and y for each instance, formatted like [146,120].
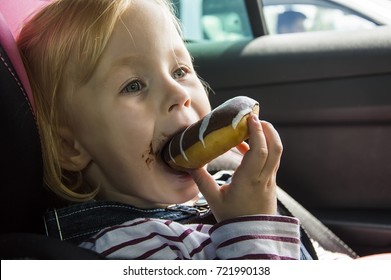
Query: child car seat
[21,173]
[23,198]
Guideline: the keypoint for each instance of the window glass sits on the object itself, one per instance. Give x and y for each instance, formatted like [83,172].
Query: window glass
[213,20]
[291,18]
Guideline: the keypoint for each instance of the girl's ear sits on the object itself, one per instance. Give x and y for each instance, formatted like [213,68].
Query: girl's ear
[73,156]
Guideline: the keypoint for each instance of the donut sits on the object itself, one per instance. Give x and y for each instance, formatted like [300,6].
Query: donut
[222,129]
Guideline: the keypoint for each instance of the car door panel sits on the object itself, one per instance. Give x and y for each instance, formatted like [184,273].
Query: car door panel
[329,96]
[367,231]
[293,57]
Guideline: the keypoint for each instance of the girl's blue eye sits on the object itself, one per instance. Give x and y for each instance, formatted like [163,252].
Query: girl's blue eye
[132,87]
[179,73]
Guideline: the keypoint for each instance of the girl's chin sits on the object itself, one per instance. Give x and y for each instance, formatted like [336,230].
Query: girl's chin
[181,183]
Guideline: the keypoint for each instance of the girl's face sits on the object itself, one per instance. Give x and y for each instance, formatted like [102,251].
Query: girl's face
[143,90]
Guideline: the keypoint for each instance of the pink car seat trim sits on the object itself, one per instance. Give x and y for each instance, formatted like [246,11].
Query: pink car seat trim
[15,12]
[8,43]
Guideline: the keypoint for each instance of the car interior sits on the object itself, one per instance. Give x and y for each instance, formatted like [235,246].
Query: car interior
[327,94]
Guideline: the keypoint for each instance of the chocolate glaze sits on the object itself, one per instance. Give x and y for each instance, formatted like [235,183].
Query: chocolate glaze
[220,117]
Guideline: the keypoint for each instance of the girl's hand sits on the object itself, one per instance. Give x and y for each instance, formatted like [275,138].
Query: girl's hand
[253,187]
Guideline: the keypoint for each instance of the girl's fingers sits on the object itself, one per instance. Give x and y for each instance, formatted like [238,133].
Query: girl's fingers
[243,148]
[260,163]
[252,190]
[206,184]
[255,159]
[274,146]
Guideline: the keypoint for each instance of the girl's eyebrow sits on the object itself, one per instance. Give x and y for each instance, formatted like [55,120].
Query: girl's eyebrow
[178,51]
[122,62]
[125,61]
[135,59]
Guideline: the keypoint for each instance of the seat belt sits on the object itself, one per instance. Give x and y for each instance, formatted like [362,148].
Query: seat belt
[313,227]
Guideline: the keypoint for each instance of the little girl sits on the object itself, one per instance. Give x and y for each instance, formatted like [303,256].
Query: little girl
[112,81]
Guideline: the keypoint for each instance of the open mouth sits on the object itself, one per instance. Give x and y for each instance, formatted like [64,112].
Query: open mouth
[159,153]
[167,168]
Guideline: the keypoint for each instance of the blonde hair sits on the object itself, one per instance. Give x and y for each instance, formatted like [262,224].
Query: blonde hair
[64,34]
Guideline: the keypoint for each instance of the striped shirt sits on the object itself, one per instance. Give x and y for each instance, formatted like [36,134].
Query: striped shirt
[247,237]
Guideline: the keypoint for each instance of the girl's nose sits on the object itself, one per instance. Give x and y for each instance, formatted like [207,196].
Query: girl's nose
[180,102]
[176,98]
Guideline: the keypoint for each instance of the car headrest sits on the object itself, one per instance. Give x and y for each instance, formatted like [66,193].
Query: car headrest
[22,198]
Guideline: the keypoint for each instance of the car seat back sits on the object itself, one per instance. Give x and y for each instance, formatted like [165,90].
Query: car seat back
[22,195]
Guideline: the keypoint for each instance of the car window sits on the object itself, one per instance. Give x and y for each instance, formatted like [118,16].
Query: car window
[292,16]
[213,20]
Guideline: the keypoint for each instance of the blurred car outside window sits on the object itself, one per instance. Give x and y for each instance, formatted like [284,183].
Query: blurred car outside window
[290,16]
[290,21]
[228,20]
[211,20]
